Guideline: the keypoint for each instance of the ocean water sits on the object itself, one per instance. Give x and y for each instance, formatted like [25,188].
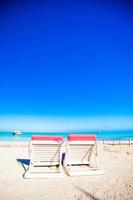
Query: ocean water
[102,135]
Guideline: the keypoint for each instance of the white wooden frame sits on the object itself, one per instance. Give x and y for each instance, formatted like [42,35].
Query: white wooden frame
[78,156]
[45,159]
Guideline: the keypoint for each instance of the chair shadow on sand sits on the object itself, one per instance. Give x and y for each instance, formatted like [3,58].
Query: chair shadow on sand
[86,193]
[24,163]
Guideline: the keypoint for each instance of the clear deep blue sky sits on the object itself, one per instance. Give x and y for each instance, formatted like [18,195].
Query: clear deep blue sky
[66,58]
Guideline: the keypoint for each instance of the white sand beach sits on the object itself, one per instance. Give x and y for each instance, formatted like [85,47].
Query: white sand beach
[116,183]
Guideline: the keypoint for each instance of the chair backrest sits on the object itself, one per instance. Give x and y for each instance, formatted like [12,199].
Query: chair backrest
[45,150]
[80,148]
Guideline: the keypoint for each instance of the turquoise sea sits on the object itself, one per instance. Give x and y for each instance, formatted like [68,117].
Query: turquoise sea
[101,135]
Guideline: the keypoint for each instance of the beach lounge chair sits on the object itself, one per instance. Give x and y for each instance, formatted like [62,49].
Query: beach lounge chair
[45,157]
[81,155]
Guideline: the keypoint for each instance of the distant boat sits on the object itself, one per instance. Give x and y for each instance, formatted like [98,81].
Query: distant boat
[17,132]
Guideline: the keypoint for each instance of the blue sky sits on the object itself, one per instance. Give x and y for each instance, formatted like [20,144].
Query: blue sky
[66,60]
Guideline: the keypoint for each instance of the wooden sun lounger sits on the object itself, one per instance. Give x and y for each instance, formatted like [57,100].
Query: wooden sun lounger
[45,157]
[81,156]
